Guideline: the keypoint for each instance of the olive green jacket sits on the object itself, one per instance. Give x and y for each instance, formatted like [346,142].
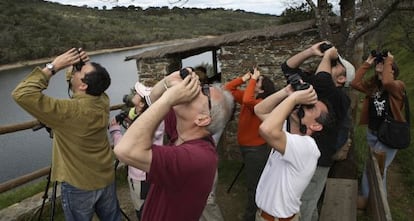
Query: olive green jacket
[82,155]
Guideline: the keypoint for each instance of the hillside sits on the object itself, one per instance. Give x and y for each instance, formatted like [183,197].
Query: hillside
[37,29]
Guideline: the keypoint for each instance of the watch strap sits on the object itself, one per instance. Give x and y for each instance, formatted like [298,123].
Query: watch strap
[51,68]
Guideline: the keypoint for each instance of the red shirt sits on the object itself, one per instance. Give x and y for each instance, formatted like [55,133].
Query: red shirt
[181,179]
[248,125]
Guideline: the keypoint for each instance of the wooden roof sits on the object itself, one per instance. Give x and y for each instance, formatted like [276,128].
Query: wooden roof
[196,46]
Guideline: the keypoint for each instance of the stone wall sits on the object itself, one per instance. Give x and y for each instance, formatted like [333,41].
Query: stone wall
[152,70]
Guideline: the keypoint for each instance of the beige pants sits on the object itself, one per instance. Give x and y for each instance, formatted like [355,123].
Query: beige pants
[135,192]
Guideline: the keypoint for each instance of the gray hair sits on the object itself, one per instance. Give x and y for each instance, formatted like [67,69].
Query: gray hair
[221,110]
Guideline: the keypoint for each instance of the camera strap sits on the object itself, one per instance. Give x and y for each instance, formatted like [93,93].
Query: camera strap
[302,127]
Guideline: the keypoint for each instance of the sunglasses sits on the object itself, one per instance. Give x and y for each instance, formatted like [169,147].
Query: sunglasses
[301,114]
[205,89]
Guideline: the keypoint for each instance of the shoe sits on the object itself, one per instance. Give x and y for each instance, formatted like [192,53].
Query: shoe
[362,202]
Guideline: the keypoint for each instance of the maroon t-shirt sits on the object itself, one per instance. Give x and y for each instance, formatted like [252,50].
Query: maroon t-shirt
[181,178]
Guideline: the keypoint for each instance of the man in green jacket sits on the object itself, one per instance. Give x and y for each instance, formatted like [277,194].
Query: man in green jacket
[82,159]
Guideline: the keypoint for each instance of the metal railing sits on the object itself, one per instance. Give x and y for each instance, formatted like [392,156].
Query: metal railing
[13,183]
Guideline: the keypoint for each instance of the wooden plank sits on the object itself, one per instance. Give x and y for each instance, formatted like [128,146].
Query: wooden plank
[378,207]
[340,199]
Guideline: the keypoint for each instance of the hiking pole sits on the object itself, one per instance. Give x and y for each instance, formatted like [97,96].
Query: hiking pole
[235,178]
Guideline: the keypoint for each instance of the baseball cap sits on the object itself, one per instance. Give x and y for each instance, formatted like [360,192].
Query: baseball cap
[143,91]
[349,69]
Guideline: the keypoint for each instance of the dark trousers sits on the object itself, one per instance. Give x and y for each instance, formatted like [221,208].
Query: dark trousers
[255,159]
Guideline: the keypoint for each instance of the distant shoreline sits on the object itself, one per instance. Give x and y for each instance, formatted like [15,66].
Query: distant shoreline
[102,51]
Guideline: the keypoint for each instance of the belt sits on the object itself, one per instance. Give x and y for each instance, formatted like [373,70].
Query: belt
[269,217]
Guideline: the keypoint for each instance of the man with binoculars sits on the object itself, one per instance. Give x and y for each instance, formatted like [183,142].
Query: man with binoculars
[82,159]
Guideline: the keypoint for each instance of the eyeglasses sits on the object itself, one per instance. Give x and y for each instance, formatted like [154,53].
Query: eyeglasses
[205,89]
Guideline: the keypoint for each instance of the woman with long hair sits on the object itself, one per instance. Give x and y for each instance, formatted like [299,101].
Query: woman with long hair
[381,90]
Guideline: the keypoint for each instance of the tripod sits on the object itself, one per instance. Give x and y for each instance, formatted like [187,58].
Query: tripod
[45,196]
[235,178]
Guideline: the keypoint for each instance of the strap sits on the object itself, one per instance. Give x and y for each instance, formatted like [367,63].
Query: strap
[407,108]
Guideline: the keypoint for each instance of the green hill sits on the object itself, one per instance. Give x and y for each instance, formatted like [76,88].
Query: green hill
[33,29]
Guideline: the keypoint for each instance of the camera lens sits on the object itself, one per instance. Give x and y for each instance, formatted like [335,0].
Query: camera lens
[183,73]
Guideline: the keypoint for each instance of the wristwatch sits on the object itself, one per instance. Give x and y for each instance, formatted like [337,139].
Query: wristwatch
[51,68]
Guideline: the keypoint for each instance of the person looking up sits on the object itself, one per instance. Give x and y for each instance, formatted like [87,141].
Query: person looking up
[332,74]
[253,147]
[290,121]
[138,186]
[82,158]
[380,89]
[181,173]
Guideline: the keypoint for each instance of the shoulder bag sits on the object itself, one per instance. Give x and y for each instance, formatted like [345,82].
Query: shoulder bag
[393,133]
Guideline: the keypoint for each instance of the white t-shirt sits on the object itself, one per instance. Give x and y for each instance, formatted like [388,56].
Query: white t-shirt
[285,177]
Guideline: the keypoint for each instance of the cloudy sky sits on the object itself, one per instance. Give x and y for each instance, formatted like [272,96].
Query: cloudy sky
[274,7]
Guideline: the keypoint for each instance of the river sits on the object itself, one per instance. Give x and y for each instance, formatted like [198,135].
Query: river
[26,151]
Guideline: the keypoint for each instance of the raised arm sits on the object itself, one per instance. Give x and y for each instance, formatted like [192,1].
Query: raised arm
[263,109]
[271,128]
[296,60]
[135,147]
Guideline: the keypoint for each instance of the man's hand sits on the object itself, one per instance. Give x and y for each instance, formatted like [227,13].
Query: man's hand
[316,48]
[332,53]
[182,91]
[306,97]
[69,58]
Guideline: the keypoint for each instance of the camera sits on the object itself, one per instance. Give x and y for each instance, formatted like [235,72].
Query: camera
[184,72]
[295,81]
[126,117]
[121,117]
[324,46]
[127,99]
[78,66]
[379,56]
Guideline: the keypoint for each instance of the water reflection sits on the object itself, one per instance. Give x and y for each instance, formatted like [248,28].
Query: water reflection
[25,151]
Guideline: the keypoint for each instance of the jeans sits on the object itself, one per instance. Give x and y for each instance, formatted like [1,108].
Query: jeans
[377,146]
[79,205]
[312,193]
[255,159]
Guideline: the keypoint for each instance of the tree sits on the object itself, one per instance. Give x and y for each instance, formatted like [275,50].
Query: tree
[356,19]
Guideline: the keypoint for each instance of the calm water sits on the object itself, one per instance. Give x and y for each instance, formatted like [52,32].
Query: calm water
[26,151]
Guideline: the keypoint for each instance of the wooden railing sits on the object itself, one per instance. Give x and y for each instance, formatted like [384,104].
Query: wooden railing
[8,185]
[378,207]
[339,203]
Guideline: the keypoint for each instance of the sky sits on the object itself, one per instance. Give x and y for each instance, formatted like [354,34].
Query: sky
[273,7]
